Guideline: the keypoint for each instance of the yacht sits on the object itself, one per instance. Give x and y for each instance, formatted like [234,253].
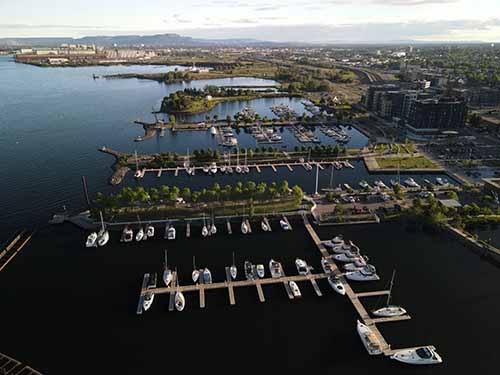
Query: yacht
[207,276]
[302,266]
[264,226]
[411,183]
[171,232]
[195,275]
[367,273]
[167,272]
[341,249]
[91,240]
[206,168]
[390,310]
[284,225]
[364,185]
[139,236]
[137,174]
[441,181]
[347,257]
[275,269]
[233,270]
[238,169]
[127,234]
[213,130]
[213,168]
[261,271]
[244,227]
[335,241]
[380,184]
[249,271]
[325,264]
[352,267]
[148,300]
[150,231]
[336,284]
[295,289]
[180,301]
[213,229]
[347,187]
[103,235]
[369,340]
[425,355]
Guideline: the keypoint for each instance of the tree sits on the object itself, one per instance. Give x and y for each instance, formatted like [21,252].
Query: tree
[172,119]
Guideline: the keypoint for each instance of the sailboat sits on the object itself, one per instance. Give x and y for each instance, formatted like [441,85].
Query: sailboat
[213,228]
[137,173]
[264,226]
[245,168]
[390,310]
[127,234]
[233,270]
[207,276]
[139,236]
[180,301]
[150,231]
[244,227]
[238,168]
[103,235]
[229,169]
[204,230]
[195,275]
[91,240]
[167,272]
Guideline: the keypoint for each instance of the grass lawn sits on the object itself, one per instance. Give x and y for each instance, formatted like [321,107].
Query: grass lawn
[419,162]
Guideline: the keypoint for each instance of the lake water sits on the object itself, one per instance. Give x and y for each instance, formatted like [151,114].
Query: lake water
[71,310]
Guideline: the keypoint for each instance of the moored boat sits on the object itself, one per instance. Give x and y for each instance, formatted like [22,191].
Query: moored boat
[127,234]
[302,267]
[180,301]
[275,269]
[171,233]
[148,301]
[390,310]
[91,240]
[367,273]
[295,289]
[150,231]
[336,284]
[139,236]
[167,272]
[249,270]
[368,338]
[261,271]
[425,355]
[284,225]
[233,270]
[207,276]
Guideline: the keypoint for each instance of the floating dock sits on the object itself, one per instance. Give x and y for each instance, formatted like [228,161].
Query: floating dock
[13,246]
[11,366]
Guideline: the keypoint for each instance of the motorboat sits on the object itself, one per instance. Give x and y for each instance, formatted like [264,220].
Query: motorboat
[390,310]
[275,269]
[249,270]
[441,181]
[91,240]
[148,300]
[150,231]
[238,169]
[213,168]
[167,272]
[335,241]
[364,185]
[213,229]
[244,227]
[351,267]
[295,289]
[223,169]
[261,271]
[233,270]
[127,234]
[213,130]
[425,355]
[336,284]
[229,170]
[207,276]
[381,185]
[204,231]
[325,264]
[347,187]
[137,174]
[347,257]
[341,249]
[139,236]
[264,226]
[206,168]
[284,225]
[410,182]
[369,339]
[367,273]
[171,233]
[180,301]
[195,275]
[302,266]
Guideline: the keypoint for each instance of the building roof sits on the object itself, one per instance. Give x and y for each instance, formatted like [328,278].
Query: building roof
[450,203]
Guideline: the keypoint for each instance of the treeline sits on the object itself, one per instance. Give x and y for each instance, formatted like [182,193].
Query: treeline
[130,196]
[310,80]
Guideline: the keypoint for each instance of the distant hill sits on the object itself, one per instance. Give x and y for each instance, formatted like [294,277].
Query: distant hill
[159,40]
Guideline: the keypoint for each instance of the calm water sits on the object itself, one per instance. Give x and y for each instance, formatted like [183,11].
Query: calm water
[72,310]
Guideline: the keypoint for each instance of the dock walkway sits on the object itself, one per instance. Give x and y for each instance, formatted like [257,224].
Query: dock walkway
[11,366]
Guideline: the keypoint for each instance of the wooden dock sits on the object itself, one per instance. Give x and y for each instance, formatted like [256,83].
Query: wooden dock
[260,292]
[13,247]
[11,366]
[257,168]
[145,282]
[171,301]
[289,167]
[230,289]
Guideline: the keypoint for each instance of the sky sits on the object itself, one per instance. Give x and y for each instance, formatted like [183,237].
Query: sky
[317,21]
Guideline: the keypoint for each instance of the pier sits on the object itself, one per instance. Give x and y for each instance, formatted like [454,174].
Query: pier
[11,366]
[13,247]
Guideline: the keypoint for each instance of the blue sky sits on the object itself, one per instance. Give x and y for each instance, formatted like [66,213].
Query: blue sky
[277,20]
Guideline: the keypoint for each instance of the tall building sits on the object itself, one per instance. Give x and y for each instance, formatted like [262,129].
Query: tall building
[374,95]
[429,116]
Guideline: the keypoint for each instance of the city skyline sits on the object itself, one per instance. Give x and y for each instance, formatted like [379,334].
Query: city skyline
[317,21]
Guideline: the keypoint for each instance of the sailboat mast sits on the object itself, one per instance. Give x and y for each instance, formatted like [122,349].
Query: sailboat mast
[390,288]
[331,178]
[233,258]
[102,221]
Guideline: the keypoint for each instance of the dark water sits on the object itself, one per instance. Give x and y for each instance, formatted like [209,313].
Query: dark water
[71,310]
[490,234]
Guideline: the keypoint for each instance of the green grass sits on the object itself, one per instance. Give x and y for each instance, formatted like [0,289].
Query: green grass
[418,162]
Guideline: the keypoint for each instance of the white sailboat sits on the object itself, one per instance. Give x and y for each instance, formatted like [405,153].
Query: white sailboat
[204,230]
[369,340]
[245,168]
[425,355]
[148,300]
[244,227]
[91,240]
[138,173]
[127,234]
[238,167]
[167,272]
[336,284]
[233,270]
[103,235]
[195,275]
[390,310]
[264,226]
[180,301]
[150,231]
[213,228]
[284,225]
[139,236]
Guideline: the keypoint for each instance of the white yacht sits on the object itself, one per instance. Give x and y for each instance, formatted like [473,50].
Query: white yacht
[325,264]
[369,340]
[233,270]
[346,257]
[150,231]
[295,289]
[180,301]
[441,181]
[148,300]
[275,269]
[367,273]
[351,267]
[91,240]
[336,284]
[284,225]
[167,272]
[171,233]
[302,266]
[380,184]
[425,355]
[410,182]
[127,234]
[206,168]
[207,276]
[261,271]
[244,227]
[139,236]
[213,168]
[103,235]
[390,310]
[335,241]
